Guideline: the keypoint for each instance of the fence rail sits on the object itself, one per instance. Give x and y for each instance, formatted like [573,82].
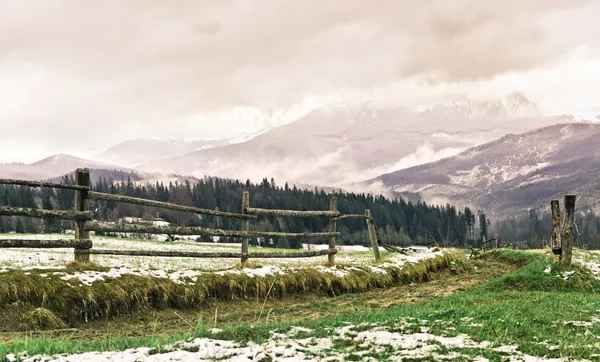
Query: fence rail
[46,214]
[292,213]
[192,254]
[83,245]
[42,184]
[46,244]
[165,205]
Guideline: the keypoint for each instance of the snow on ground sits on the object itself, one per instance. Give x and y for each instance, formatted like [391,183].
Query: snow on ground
[589,259]
[187,270]
[366,342]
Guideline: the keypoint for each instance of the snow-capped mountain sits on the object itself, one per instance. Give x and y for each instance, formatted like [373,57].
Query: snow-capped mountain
[511,174]
[339,145]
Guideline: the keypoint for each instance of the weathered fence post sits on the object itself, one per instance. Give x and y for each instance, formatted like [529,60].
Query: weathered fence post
[245,225]
[496,242]
[566,237]
[82,178]
[555,244]
[332,228]
[372,235]
[483,243]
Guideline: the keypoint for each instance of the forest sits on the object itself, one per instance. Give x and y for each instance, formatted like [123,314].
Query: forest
[398,222]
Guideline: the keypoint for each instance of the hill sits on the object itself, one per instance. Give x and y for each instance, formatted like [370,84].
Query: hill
[511,174]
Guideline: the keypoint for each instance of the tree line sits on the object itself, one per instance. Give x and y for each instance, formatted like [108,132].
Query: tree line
[533,229]
[398,222]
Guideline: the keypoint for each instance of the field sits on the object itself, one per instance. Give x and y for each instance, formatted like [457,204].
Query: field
[428,305]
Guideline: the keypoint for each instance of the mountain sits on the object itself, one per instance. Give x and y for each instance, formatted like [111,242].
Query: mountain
[50,167]
[512,174]
[135,152]
[337,146]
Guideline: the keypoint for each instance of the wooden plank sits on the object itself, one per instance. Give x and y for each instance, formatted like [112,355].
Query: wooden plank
[165,253]
[165,205]
[566,237]
[303,254]
[41,184]
[293,213]
[351,216]
[555,243]
[193,254]
[45,214]
[372,235]
[82,203]
[245,225]
[332,228]
[43,244]
[186,230]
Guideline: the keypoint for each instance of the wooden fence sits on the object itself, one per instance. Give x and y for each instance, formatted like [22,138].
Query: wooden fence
[561,240]
[84,223]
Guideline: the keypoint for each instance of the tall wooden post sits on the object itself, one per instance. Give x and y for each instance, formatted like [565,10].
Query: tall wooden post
[496,242]
[555,243]
[332,228]
[372,235]
[82,203]
[245,225]
[566,236]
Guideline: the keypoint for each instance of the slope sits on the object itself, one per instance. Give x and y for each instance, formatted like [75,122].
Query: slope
[511,174]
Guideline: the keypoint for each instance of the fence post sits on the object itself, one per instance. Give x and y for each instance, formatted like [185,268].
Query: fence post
[483,243]
[566,237]
[496,242]
[245,225]
[372,235]
[332,228]
[555,243]
[82,203]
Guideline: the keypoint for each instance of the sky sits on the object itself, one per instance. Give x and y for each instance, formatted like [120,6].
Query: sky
[78,76]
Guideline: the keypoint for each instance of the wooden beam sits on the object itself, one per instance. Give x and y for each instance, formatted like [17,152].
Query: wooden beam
[332,228]
[555,243]
[44,243]
[293,213]
[566,237]
[45,214]
[351,216]
[42,184]
[372,235]
[192,254]
[164,205]
[82,203]
[245,226]
[186,230]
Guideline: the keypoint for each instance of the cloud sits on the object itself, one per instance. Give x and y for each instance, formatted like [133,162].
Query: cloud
[82,72]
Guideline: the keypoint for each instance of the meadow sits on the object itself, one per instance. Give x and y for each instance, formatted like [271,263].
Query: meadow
[429,305]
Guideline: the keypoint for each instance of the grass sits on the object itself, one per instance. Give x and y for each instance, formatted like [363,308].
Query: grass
[75,302]
[537,311]
[543,313]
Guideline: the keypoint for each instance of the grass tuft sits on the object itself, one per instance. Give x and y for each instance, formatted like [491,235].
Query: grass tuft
[42,319]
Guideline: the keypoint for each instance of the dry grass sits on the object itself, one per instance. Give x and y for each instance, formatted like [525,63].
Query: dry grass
[74,302]
[42,319]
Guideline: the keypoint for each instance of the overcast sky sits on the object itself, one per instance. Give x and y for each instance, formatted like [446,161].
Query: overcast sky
[78,76]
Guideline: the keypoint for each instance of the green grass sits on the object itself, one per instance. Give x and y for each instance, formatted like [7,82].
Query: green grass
[528,308]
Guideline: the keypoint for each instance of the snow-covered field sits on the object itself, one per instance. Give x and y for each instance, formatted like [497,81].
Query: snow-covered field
[404,339]
[56,258]
[187,270]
